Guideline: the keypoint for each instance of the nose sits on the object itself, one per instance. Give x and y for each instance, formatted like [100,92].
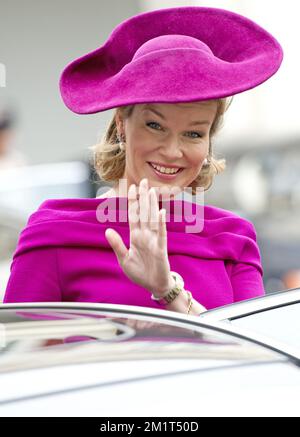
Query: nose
[171,150]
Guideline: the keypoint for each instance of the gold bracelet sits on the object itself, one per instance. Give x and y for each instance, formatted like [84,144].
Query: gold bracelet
[190,301]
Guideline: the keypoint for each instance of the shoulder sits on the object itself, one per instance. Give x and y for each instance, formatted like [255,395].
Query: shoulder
[63,209]
[221,220]
[233,235]
[58,223]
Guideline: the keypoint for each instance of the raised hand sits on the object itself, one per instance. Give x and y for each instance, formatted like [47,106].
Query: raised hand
[146,261]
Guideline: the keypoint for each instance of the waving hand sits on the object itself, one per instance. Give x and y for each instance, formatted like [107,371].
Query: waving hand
[146,261]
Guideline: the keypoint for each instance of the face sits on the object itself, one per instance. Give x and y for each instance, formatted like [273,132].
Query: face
[172,136]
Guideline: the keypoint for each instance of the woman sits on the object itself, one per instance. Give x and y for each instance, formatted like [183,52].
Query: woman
[168,73]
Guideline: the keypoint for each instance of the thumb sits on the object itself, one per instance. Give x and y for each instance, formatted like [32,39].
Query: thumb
[116,242]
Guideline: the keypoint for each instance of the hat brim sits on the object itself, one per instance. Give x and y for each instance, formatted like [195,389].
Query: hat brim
[244,55]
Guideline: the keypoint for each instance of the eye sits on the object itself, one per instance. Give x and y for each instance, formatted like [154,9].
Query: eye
[197,133]
[152,122]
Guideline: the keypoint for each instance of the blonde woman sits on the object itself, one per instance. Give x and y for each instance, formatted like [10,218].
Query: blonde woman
[169,74]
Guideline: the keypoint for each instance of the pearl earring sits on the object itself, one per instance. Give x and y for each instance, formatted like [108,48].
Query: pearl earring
[121,143]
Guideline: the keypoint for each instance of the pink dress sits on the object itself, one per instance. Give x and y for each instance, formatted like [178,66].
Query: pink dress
[63,255]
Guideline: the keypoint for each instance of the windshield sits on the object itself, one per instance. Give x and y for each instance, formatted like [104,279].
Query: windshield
[37,338]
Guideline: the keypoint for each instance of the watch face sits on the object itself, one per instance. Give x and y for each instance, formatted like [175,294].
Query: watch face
[178,279]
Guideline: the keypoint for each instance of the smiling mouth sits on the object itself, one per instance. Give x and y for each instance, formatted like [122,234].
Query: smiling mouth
[179,170]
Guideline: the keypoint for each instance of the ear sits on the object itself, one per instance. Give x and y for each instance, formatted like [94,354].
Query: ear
[119,123]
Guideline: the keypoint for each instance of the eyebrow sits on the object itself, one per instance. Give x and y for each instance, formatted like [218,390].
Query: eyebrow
[194,123]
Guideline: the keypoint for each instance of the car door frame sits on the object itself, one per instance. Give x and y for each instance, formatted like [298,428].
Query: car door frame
[252,306]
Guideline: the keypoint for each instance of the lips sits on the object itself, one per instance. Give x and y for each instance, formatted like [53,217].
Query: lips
[164,176]
[165,166]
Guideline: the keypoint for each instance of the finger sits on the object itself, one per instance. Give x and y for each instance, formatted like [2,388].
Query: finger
[154,210]
[162,232]
[116,243]
[133,209]
[144,204]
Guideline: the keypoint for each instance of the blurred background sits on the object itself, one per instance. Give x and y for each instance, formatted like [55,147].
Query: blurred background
[44,147]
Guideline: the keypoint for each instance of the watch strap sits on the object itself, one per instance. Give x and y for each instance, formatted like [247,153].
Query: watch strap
[171,295]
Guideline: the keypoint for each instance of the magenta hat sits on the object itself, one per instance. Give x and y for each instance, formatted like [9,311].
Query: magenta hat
[172,55]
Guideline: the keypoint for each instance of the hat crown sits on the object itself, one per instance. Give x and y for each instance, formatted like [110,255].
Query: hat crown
[165,42]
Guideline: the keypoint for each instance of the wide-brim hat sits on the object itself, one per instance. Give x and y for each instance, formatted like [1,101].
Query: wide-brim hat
[172,55]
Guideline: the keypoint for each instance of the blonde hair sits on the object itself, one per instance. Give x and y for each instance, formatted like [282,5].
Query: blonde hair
[109,159]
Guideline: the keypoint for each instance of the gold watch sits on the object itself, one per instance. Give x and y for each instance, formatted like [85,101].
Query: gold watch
[171,295]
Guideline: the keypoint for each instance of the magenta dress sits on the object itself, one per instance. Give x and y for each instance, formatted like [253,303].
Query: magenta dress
[63,255]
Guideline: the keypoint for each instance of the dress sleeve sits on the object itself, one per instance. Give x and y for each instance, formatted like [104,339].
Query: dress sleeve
[34,277]
[247,274]
[246,282]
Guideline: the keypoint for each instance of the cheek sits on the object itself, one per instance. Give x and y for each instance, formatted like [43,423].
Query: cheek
[143,151]
[198,156]
[138,154]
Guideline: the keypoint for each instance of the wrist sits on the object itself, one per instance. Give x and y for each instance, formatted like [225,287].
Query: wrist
[160,292]
[176,298]
[179,304]
[176,285]
[186,305]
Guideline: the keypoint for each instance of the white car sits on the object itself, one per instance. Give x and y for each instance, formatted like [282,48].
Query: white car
[82,359]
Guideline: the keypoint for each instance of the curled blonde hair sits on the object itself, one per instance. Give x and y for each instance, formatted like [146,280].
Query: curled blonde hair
[109,159]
